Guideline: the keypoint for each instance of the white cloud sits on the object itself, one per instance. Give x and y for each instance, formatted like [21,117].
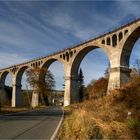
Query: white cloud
[8,59]
[99,23]
[62,20]
[52,30]
[129,7]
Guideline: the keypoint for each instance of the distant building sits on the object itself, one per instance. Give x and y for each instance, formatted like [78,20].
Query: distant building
[57,97]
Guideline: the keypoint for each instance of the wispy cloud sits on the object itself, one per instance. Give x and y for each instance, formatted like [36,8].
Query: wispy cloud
[8,59]
[31,29]
[129,7]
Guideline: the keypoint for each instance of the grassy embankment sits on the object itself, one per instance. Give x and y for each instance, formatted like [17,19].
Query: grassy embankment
[106,117]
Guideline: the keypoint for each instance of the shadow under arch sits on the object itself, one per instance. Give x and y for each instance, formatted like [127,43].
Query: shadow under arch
[3,78]
[128,47]
[17,99]
[80,56]
[47,63]
[6,90]
[20,74]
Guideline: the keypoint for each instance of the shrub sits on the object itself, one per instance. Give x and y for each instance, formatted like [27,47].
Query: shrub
[97,89]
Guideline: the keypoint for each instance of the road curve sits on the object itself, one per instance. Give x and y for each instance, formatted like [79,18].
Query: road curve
[38,124]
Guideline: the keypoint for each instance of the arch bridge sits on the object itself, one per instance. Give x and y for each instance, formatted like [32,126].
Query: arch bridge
[116,44]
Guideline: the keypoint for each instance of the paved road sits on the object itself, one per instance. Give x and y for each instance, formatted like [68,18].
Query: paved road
[39,124]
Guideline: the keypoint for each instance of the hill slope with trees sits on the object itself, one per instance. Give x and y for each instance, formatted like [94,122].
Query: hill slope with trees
[115,116]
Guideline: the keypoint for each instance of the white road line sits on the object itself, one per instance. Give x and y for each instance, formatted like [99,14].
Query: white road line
[57,128]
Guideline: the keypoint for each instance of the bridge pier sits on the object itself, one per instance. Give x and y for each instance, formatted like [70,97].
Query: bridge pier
[16,95]
[118,76]
[71,90]
[35,99]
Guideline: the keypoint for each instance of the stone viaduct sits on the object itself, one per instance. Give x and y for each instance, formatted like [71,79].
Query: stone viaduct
[116,44]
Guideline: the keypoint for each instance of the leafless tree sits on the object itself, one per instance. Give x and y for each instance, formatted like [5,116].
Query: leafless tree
[41,80]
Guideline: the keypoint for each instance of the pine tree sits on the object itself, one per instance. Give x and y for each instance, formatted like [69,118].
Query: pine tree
[137,64]
[81,85]
[81,77]
[106,74]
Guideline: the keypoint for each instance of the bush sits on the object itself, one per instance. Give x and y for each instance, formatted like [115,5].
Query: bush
[97,89]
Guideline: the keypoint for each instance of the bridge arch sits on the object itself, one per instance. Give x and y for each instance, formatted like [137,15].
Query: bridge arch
[108,41]
[71,77]
[128,45]
[20,74]
[82,53]
[48,62]
[17,99]
[114,40]
[3,78]
[6,92]
[54,65]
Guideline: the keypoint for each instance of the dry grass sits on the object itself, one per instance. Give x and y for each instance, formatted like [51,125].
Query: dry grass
[107,117]
[77,126]
[6,110]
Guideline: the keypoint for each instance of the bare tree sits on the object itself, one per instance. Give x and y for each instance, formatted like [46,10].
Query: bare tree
[41,80]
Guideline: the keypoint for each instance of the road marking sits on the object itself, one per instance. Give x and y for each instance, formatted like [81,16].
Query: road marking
[57,128]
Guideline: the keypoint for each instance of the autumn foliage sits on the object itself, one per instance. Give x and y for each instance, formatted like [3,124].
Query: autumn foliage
[115,116]
[97,89]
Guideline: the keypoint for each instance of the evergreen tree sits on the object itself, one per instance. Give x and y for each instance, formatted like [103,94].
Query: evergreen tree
[106,74]
[137,64]
[81,85]
[80,77]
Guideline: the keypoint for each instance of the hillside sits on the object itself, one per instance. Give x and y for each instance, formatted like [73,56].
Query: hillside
[116,116]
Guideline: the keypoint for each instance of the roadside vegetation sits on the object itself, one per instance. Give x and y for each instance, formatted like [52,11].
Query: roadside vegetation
[6,110]
[115,116]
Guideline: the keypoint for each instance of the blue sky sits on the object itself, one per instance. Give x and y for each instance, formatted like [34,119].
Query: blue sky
[31,29]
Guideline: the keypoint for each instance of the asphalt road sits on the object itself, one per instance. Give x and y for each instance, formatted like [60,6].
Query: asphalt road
[39,124]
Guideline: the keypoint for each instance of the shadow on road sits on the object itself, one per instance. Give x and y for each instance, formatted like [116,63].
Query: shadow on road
[33,115]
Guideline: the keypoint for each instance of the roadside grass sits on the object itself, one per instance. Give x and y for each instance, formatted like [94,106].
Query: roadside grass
[115,116]
[6,110]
